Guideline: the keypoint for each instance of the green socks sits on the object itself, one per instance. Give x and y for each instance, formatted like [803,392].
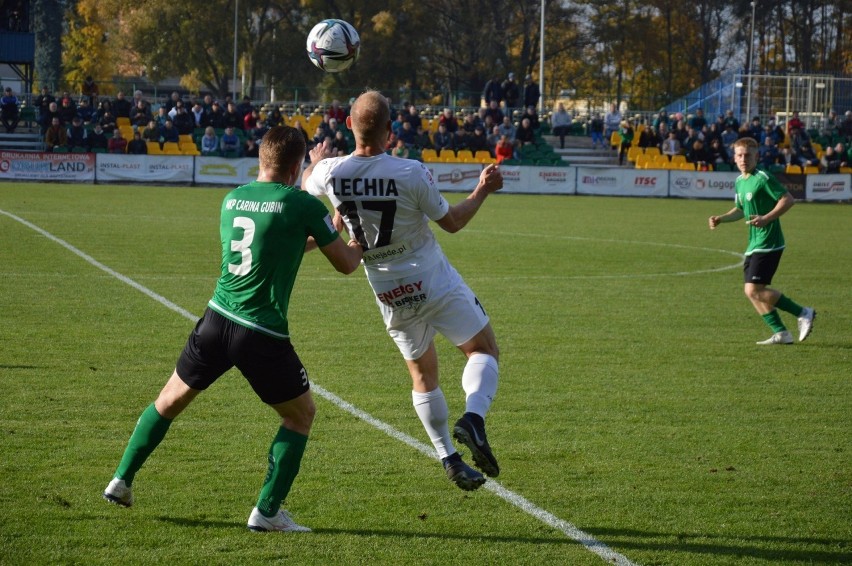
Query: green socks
[773,319]
[149,432]
[285,456]
[789,306]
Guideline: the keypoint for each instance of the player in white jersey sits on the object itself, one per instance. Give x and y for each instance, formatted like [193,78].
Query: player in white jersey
[386,203]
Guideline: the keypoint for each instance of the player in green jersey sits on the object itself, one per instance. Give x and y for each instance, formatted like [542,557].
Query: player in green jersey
[761,200]
[266,227]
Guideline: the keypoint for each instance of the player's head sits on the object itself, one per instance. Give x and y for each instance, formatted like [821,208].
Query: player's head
[745,154]
[370,118]
[281,149]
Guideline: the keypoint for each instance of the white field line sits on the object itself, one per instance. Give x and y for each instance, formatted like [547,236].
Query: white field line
[572,532]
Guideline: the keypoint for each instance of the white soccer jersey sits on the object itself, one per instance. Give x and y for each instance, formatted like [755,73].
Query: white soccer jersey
[386,203]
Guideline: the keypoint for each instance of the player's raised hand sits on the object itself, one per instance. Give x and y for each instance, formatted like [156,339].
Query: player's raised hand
[321,151]
[491,178]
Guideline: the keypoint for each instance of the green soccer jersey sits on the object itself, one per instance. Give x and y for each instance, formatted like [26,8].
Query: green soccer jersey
[264,228]
[757,194]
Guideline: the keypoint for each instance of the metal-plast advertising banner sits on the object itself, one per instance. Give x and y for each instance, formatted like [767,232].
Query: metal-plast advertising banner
[221,171]
[144,168]
[828,187]
[463,177]
[38,166]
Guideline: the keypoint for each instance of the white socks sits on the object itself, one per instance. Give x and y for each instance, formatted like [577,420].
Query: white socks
[432,409]
[479,381]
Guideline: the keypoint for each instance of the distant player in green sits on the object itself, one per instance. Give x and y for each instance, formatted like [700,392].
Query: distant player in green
[761,199]
[266,227]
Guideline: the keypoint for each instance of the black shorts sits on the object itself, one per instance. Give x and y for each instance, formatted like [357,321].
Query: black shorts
[217,344]
[758,268]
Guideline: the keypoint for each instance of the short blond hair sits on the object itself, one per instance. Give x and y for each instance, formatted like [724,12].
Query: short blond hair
[748,143]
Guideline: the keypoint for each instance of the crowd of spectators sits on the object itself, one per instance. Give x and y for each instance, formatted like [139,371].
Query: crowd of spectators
[709,143]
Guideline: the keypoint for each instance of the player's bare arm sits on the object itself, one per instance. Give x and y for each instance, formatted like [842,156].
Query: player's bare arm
[731,216]
[316,154]
[344,257]
[783,205]
[490,181]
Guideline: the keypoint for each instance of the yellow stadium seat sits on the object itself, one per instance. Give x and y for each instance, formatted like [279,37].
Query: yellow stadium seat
[185,138]
[171,148]
[811,170]
[301,118]
[447,156]
[846,169]
[652,150]
[633,153]
[793,169]
[189,149]
[680,158]
[122,121]
[429,155]
[686,166]
[482,154]
[154,148]
[463,154]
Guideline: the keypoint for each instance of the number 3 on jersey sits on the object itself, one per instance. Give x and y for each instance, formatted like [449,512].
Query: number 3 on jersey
[242,246]
[349,209]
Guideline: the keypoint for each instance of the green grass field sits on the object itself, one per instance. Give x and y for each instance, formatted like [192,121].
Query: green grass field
[634,407]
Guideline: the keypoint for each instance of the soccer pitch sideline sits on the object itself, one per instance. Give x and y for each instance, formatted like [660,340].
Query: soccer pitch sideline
[636,420]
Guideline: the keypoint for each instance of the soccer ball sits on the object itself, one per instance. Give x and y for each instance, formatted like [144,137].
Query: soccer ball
[333,45]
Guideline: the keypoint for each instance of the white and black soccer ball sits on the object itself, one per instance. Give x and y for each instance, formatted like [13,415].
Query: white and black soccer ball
[333,45]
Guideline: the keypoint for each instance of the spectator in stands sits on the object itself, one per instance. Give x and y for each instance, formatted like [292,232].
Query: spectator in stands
[648,138]
[319,136]
[250,120]
[340,145]
[161,117]
[493,91]
[168,133]
[183,120]
[85,111]
[699,155]
[137,146]
[121,107]
[507,128]
[261,128]
[479,118]
[755,130]
[422,139]
[90,91]
[662,118]
[232,118]
[524,135]
[413,118]
[612,121]
[625,134]
[245,108]
[198,116]
[795,122]
[596,130]
[139,97]
[831,125]
[151,132]
[560,124]
[209,142]
[400,150]
[396,124]
[718,153]
[140,115]
[171,102]
[532,93]
[671,145]
[532,114]
[215,116]
[729,120]
[478,141]
[275,118]
[443,139]
[846,127]
[804,155]
[493,139]
[77,134]
[448,118]
[336,111]
[250,148]
[511,94]
[698,121]
[729,136]
[494,111]
[768,153]
[67,110]
[117,143]
[56,135]
[504,149]
[10,114]
[42,104]
[230,142]
[107,122]
[691,136]
[97,139]
[406,134]
[830,161]
[845,157]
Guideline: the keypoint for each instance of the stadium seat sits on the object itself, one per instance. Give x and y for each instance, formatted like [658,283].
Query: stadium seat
[154,148]
[846,169]
[463,154]
[429,155]
[793,169]
[189,149]
[685,166]
[633,153]
[171,148]
[122,121]
[482,154]
[811,170]
[614,140]
[185,138]
[652,151]
[678,158]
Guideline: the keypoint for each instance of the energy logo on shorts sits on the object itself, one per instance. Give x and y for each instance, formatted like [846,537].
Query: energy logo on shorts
[406,295]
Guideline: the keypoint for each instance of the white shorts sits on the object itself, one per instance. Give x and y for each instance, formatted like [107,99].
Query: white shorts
[415,308]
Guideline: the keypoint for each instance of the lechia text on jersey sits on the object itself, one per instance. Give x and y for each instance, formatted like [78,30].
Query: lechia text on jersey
[365,187]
